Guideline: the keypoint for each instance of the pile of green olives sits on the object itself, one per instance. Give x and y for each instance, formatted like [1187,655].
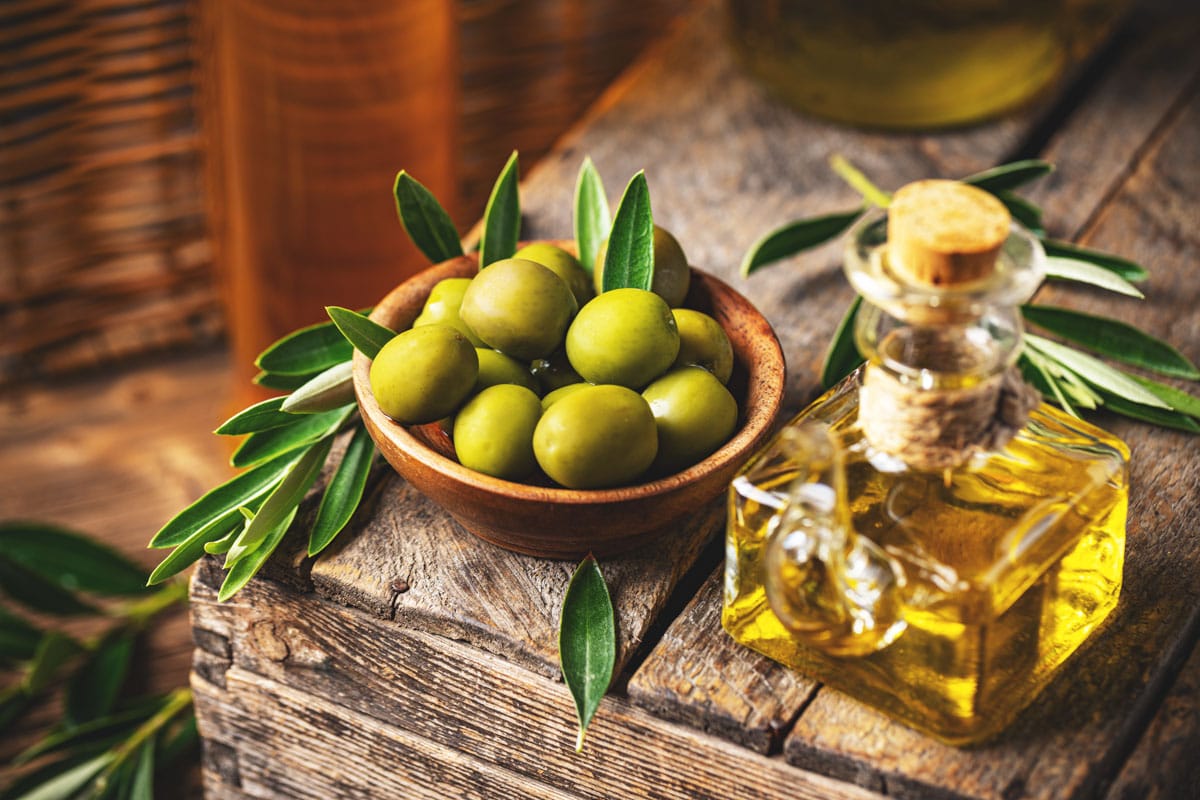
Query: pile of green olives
[533,372]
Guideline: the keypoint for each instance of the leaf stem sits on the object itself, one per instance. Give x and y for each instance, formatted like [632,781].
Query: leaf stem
[177,701]
[142,611]
[860,182]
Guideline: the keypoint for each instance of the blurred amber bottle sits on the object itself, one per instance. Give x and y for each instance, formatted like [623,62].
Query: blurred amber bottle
[914,63]
[309,108]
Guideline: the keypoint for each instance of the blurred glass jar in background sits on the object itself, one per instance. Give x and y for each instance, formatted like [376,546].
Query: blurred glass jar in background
[914,63]
[308,110]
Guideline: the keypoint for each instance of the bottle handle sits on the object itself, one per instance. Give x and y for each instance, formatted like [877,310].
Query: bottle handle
[833,588]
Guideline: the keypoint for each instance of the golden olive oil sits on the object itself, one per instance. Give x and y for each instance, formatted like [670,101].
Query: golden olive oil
[1010,561]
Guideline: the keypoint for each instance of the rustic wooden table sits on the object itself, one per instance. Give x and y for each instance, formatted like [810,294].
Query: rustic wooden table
[414,661]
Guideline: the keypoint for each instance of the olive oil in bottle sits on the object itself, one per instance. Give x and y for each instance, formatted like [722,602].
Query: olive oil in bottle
[913,63]
[926,536]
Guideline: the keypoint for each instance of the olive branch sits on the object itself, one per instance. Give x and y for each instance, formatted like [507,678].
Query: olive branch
[1065,375]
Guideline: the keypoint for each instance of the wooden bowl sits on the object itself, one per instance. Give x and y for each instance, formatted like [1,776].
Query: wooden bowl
[549,521]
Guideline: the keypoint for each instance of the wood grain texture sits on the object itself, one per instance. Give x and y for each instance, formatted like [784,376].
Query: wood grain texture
[411,562]
[692,676]
[1144,75]
[1074,736]
[1164,765]
[312,683]
[326,751]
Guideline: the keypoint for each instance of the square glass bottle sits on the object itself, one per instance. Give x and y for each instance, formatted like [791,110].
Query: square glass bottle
[925,536]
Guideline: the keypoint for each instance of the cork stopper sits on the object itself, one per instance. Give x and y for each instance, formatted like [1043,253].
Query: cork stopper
[945,233]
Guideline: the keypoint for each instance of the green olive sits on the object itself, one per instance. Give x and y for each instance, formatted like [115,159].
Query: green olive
[562,264]
[703,342]
[626,336]
[554,371]
[496,368]
[695,414]
[493,433]
[596,437]
[441,307]
[518,307]
[423,374]
[558,394]
[671,272]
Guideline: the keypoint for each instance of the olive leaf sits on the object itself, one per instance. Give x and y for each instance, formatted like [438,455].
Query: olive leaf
[305,351]
[1156,416]
[1112,338]
[1115,264]
[237,491]
[587,648]
[93,689]
[305,429]
[72,561]
[248,565]
[367,336]
[842,357]
[18,638]
[629,257]
[38,593]
[1177,399]
[1022,211]
[282,501]
[53,651]
[142,786]
[196,545]
[344,491]
[502,217]
[1073,269]
[261,416]
[69,782]
[796,237]
[283,383]
[424,219]
[1094,371]
[591,218]
[1007,177]
[332,389]
[1035,370]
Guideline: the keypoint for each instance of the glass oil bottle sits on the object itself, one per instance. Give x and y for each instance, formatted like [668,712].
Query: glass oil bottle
[927,536]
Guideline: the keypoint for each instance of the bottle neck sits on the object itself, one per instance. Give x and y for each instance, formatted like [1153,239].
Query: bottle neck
[933,395]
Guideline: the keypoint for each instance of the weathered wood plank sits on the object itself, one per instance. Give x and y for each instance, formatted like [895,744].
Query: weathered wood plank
[1164,765]
[1072,739]
[1103,140]
[690,677]
[416,687]
[326,751]
[411,562]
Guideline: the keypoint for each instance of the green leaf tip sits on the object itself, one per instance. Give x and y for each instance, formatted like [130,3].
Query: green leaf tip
[796,237]
[629,258]
[366,335]
[587,641]
[502,217]
[1007,177]
[424,220]
[591,215]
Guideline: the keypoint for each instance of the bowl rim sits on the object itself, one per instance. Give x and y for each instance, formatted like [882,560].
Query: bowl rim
[754,427]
